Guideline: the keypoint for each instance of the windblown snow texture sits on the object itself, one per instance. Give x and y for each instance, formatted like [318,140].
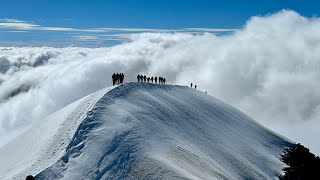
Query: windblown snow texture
[147,131]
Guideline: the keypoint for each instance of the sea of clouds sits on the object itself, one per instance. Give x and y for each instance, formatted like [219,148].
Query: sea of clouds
[270,69]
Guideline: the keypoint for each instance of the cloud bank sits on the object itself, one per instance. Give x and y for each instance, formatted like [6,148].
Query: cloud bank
[269,69]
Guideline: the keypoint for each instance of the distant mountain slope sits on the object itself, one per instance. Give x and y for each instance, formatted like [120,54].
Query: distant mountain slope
[147,131]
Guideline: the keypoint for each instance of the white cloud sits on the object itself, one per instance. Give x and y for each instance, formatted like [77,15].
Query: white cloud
[210,29]
[16,31]
[86,37]
[55,29]
[23,25]
[138,30]
[18,25]
[269,69]
[11,20]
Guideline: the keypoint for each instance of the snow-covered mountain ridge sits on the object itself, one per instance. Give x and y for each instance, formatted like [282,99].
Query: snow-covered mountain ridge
[145,131]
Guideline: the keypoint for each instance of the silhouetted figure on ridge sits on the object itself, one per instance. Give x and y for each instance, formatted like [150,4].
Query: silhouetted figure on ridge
[121,78]
[29,177]
[117,78]
[113,79]
[155,79]
[191,85]
[195,86]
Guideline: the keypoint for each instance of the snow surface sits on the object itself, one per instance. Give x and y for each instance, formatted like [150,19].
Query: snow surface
[145,131]
[46,141]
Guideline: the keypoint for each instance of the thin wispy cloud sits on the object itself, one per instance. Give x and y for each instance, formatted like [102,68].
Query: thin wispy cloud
[166,30]
[17,24]
[11,20]
[16,31]
[139,30]
[210,29]
[86,37]
[93,36]
[30,26]
[103,37]
[24,25]
[124,36]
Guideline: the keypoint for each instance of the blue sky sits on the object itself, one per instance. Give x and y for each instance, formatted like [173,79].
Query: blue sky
[64,22]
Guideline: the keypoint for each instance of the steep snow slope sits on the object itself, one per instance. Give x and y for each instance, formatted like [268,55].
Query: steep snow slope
[46,141]
[147,131]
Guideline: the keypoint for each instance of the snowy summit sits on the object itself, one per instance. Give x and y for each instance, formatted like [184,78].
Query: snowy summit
[145,131]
